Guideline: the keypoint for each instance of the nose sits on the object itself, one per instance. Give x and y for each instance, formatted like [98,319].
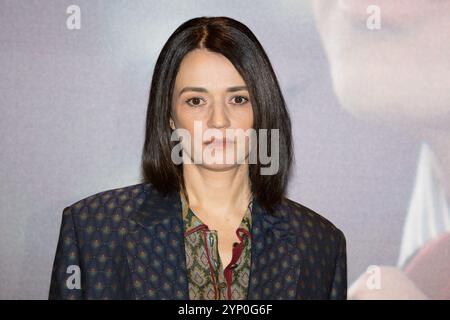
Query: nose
[218,117]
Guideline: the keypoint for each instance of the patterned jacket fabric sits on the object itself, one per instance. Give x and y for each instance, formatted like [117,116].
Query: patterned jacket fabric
[128,243]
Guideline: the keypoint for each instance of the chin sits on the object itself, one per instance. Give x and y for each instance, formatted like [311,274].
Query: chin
[391,96]
[219,167]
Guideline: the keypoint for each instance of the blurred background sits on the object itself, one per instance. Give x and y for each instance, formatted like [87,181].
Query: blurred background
[367,85]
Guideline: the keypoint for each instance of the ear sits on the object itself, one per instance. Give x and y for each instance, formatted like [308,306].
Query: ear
[172,124]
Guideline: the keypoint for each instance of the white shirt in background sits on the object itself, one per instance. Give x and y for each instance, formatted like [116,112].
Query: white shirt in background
[428,214]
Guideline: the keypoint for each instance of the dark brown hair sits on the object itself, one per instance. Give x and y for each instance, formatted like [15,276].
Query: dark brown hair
[239,45]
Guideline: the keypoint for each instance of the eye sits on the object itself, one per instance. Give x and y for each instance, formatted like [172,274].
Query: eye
[240,100]
[195,101]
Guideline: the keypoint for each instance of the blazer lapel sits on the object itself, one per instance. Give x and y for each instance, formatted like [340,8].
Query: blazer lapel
[275,267]
[155,250]
[156,256]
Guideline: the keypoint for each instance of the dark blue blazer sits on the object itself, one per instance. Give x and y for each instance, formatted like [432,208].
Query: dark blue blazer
[128,243]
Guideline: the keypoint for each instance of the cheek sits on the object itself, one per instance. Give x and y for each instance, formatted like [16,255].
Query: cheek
[187,115]
[184,119]
[189,122]
[245,120]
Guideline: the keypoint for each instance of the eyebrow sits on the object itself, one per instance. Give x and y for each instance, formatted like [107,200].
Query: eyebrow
[200,89]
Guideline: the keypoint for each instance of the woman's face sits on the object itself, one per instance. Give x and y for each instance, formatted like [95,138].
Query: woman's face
[399,73]
[211,96]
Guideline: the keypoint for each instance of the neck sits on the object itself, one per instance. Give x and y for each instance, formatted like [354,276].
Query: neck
[439,141]
[220,193]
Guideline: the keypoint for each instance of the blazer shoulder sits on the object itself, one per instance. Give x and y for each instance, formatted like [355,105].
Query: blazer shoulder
[109,200]
[301,216]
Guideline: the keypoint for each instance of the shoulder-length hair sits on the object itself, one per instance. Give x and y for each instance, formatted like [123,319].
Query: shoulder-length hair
[240,46]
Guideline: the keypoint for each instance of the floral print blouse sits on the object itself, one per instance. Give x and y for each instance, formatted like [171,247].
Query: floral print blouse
[207,278]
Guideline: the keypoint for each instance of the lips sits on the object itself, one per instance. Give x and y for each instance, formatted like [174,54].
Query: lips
[219,142]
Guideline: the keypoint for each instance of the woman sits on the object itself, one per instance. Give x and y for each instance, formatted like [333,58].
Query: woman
[204,228]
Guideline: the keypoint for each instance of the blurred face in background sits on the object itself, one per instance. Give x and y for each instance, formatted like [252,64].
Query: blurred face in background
[398,74]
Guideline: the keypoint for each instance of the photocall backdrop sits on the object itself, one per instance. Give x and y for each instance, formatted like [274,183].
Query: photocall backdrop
[73,104]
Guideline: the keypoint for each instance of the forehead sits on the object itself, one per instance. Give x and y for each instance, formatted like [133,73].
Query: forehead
[207,69]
